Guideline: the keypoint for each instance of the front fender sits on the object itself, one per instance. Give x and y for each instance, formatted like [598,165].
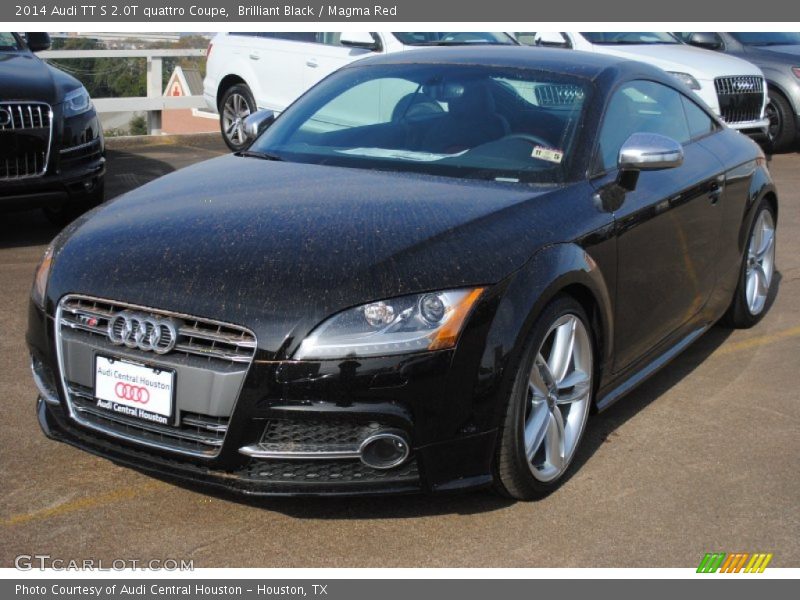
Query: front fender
[588,275]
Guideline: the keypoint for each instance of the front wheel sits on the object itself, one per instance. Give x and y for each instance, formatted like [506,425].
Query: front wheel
[549,404]
[236,105]
[758,267]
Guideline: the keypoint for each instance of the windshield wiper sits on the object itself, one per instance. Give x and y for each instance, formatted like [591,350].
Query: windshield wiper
[259,154]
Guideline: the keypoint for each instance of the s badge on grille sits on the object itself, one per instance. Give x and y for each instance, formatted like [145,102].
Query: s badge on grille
[137,330]
[5,117]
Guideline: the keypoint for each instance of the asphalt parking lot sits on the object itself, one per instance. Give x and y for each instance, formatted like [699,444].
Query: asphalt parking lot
[704,457]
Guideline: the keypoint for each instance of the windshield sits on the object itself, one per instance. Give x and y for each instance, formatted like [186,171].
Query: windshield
[441,38]
[8,42]
[631,37]
[465,121]
[768,38]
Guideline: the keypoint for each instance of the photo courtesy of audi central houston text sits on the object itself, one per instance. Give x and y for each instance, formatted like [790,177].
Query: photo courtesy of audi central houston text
[422,269]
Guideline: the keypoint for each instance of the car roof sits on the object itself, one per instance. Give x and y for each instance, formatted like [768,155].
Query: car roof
[558,60]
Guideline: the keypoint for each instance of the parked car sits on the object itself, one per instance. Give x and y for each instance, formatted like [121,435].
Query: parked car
[248,71]
[733,88]
[777,54]
[427,296]
[51,142]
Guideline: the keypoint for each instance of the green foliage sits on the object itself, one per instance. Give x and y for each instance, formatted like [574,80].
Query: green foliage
[137,126]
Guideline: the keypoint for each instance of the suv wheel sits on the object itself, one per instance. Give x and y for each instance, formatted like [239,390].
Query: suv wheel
[781,122]
[237,103]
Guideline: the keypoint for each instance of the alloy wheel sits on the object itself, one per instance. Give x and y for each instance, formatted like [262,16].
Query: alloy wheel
[775,122]
[559,395]
[760,262]
[234,113]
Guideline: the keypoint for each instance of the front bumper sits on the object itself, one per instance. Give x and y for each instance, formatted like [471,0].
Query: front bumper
[754,129]
[75,171]
[305,401]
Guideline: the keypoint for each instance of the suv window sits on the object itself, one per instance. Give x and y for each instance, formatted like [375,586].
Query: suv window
[700,124]
[8,41]
[640,107]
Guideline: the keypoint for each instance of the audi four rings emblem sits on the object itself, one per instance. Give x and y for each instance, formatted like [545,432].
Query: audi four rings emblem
[5,117]
[135,393]
[144,332]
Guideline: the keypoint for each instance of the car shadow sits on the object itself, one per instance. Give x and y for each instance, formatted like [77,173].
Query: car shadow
[125,171]
[601,429]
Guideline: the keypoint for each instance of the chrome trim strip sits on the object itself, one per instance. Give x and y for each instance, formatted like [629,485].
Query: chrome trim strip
[80,146]
[256,451]
[73,412]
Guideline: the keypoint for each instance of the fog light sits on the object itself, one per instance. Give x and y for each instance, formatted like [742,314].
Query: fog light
[384,450]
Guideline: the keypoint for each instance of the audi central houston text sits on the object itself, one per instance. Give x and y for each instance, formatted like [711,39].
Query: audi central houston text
[422,276]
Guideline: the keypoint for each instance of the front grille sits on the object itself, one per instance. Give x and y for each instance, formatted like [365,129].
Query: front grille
[210,347]
[25,138]
[289,436]
[740,98]
[197,337]
[197,434]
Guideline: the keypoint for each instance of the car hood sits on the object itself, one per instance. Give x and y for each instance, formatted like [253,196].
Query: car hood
[25,77]
[279,246]
[698,62]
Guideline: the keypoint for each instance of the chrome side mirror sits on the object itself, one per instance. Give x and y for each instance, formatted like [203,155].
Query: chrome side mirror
[256,123]
[649,152]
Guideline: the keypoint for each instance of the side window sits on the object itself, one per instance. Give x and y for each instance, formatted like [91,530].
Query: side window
[292,36]
[640,107]
[329,38]
[700,124]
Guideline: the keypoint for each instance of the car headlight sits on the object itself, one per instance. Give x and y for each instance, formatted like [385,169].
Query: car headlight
[77,102]
[42,274]
[687,79]
[415,323]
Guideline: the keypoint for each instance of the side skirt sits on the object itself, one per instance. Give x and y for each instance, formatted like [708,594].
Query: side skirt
[608,398]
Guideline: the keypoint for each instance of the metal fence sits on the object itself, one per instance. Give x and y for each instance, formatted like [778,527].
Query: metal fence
[155,101]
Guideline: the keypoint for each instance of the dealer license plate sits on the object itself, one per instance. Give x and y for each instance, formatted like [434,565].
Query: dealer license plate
[134,390]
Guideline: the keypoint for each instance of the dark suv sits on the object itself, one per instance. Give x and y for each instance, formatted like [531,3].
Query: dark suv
[52,154]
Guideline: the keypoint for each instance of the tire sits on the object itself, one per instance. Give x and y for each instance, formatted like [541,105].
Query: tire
[782,131]
[237,102]
[759,262]
[539,391]
[64,214]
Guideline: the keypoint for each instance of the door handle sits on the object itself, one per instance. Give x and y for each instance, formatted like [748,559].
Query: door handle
[312,62]
[254,56]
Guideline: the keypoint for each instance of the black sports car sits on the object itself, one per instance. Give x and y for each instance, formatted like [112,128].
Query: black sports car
[422,276]
[51,143]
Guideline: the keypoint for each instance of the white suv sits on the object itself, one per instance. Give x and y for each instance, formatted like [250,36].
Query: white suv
[250,71]
[733,88]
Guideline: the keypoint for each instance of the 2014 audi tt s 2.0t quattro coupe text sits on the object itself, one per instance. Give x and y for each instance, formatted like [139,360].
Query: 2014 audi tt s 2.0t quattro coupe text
[423,275]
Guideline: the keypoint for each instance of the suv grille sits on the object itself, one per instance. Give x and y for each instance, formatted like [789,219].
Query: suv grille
[25,137]
[740,98]
[216,348]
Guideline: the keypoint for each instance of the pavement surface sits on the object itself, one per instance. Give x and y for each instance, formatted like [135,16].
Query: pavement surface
[703,457]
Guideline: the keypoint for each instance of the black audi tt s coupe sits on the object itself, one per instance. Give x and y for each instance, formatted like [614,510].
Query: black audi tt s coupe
[422,276]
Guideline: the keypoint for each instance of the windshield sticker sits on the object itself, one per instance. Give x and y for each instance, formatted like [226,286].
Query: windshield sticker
[548,154]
